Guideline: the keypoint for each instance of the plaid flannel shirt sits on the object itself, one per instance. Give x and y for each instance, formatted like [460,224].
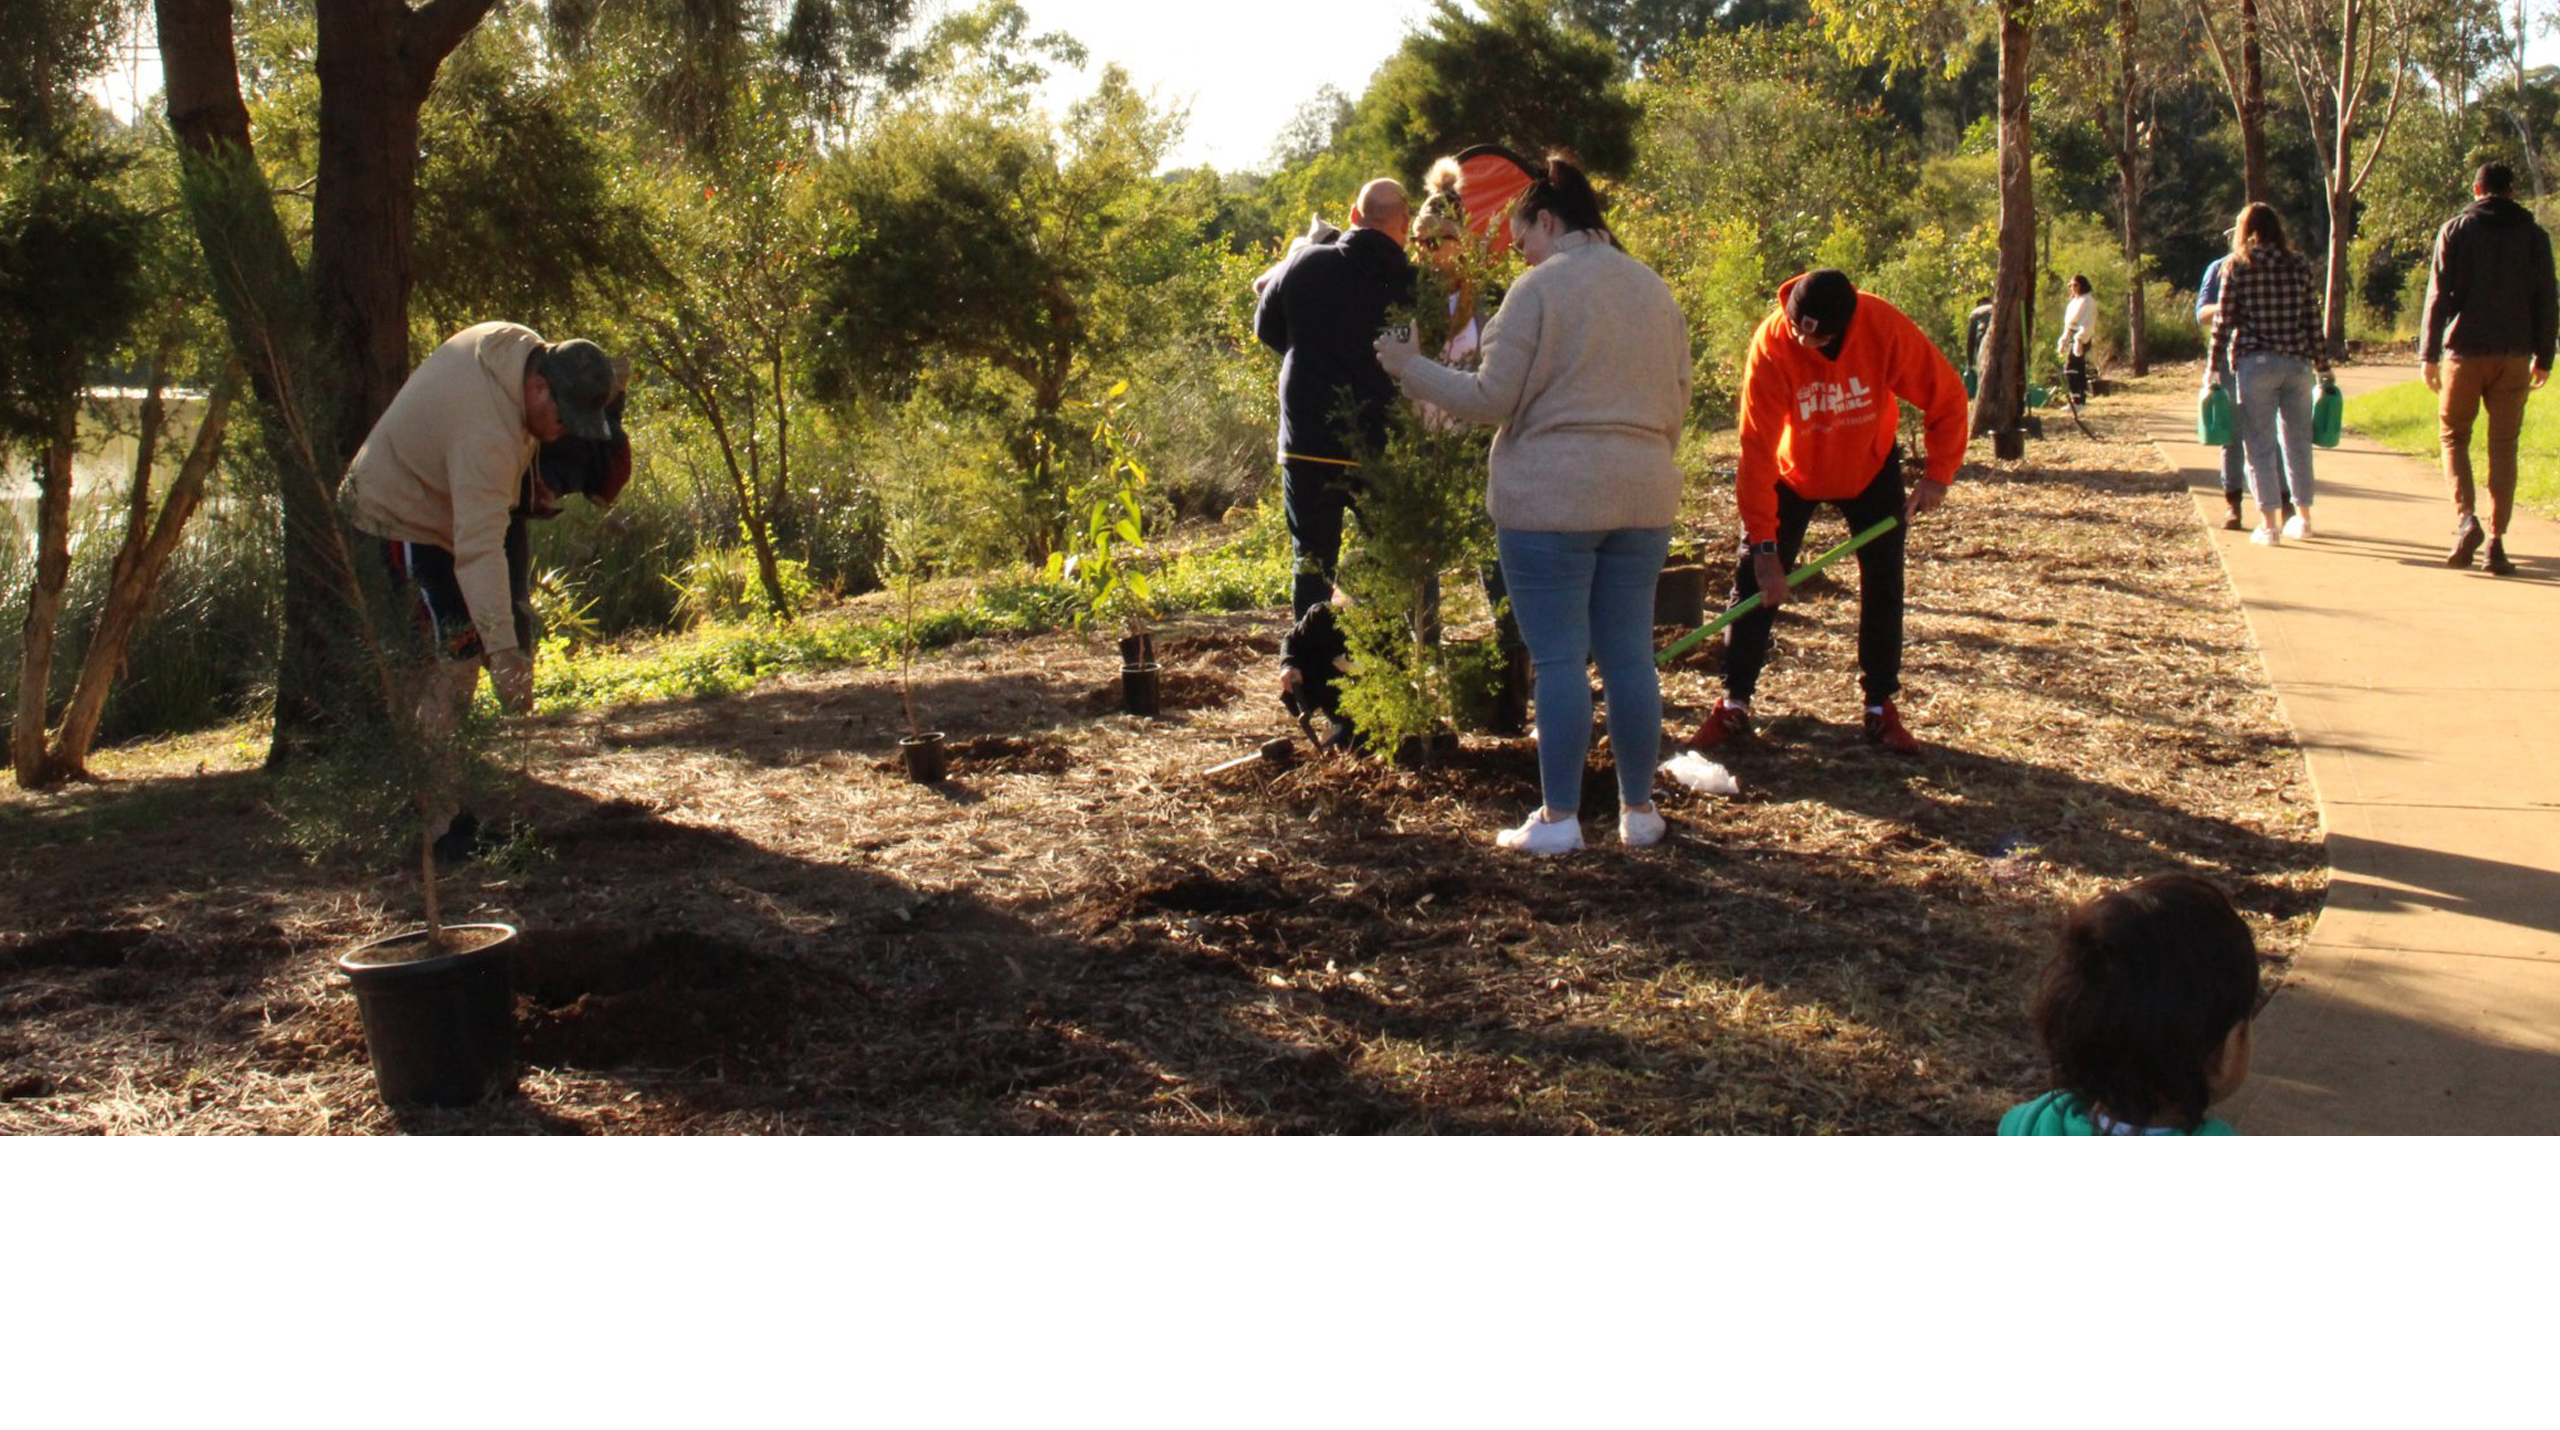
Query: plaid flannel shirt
[2268,306]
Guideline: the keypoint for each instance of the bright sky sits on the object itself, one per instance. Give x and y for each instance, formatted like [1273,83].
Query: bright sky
[1243,70]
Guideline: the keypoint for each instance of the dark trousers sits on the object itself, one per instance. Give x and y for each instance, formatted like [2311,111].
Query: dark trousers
[424,585]
[1879,586]
[2075,373]
[1314,496]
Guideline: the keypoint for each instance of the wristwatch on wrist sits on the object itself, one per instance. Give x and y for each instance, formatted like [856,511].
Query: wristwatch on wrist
[1765,548]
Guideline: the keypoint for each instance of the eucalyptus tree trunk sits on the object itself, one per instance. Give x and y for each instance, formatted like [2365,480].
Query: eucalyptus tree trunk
[2253,108]
[2002,395]
[134,582]
[2133,163]
[44,599]
[326,350]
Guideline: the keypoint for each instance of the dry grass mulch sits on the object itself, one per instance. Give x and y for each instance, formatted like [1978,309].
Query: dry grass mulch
[741,919]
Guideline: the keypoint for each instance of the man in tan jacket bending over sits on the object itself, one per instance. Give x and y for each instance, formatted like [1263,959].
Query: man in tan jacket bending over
[494,427]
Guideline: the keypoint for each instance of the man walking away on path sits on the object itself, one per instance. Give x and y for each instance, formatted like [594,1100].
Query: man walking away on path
[1322,313]
[1821,408]
[2491,306]
[2235,460]
[446,481]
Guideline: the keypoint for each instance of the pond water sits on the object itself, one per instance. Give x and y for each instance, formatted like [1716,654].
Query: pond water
[104,463]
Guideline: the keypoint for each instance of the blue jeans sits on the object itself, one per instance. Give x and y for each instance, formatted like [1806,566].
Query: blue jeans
[1580,596]
[2272,396]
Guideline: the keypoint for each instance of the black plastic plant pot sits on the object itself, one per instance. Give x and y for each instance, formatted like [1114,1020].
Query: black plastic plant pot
[439,1024]
[928,759]
[1139,692]
[2009,444]
[1680,596]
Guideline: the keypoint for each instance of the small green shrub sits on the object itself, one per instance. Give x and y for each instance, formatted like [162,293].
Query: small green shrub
[723,584]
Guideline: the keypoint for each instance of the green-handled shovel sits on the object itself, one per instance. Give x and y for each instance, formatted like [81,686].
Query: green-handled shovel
[1751,602]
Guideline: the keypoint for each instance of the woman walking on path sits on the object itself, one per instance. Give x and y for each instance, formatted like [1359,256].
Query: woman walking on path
[1585,368]
[2267,348]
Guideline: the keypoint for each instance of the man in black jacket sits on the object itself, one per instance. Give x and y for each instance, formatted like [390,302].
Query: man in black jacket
[2491,304]
[1322,313]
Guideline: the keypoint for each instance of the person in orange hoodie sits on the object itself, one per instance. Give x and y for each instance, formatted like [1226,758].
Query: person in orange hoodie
[1822,396]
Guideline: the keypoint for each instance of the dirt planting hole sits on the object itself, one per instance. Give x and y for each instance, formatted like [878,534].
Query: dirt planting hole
[1008,755]
[74,949]
[607,997]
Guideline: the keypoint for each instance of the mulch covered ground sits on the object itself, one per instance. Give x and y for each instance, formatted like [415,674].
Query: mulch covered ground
[740,918]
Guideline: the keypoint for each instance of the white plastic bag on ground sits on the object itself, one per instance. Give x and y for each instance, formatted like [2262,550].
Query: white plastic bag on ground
[1697,772]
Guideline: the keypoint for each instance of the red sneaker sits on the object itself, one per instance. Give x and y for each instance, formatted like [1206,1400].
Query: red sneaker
[1725,724]
[1885,728]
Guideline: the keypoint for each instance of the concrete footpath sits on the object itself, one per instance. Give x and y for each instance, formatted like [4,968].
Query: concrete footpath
[2428,702]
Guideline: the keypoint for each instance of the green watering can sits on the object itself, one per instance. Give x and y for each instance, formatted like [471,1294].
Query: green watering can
[2328,415]
[2213,416]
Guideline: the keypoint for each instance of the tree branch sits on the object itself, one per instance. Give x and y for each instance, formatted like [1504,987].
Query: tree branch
[435,29]
[2221,56]
[2399,89]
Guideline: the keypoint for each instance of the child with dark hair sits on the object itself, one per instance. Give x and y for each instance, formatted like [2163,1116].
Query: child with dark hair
[2144,1014]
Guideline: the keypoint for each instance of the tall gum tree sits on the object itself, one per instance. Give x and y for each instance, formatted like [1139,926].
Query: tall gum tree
[325,349]
[2113,74]
[2345,57]
[1941,32]
[2232,35]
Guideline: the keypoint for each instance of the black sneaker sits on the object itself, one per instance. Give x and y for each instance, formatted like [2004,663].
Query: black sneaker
[2466,540]
[2234,524]
[2499,565]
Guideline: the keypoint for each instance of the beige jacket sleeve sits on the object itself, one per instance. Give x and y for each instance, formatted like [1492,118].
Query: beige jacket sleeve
[1494,392]
[487,475]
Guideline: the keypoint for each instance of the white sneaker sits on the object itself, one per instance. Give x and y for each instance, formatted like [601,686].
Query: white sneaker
[1640,828]
[2299,527]
[1540,836]
[2266,536]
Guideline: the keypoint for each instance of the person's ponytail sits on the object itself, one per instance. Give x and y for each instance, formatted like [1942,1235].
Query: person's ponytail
[1565,192]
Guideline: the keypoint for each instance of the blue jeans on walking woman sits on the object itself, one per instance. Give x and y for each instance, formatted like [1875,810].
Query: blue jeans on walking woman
[2272,395]
[1580,596]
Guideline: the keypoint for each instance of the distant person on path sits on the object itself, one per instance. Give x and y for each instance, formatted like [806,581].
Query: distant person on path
[2491,307]
[2235,463]
[1977,329]
[1821,411]
[495,427]
[2267,348]
[1585,368]
[1321,313]
[2079,327]
[2144,1014]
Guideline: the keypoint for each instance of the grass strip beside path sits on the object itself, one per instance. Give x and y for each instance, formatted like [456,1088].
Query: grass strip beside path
[2403,417]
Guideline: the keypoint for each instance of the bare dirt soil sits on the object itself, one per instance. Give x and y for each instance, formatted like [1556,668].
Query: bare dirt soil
[740,918]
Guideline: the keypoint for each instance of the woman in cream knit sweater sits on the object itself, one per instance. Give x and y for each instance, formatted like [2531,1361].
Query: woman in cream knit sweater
[1585,369]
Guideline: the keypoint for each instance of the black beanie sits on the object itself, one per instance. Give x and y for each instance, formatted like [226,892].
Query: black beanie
[1821,304]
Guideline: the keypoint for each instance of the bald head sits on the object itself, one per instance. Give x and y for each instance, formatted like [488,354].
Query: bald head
[1381,206]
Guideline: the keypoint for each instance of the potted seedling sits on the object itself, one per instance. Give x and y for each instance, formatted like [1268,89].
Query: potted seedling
[1101,564]
[437,1002]
[909,543]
